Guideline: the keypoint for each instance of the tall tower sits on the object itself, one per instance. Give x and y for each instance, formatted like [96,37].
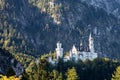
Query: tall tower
[75,53]
[70,54]
[81,46]
[59,50]
[91,44]
[74,50]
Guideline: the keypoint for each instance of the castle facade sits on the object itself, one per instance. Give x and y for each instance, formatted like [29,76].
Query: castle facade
[75,54]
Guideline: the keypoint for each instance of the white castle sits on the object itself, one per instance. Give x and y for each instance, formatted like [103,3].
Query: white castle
[75,54]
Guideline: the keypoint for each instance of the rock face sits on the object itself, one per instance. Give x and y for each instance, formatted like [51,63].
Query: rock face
[110,6]
[7,62]
[44,22]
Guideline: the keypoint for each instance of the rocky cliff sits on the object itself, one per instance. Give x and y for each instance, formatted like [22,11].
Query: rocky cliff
[110,6]
[7,62]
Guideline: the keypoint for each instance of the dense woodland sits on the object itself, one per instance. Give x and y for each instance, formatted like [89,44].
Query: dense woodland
[41,69]
[43,19]
[99,69]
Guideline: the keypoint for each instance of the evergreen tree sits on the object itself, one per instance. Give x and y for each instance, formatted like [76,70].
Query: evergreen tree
[55,75]
[116,75]
[72,74]
[60,77]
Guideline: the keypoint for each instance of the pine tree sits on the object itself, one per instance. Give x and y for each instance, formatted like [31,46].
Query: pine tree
[55,75]
[116,75]
[72,74]
[60,77]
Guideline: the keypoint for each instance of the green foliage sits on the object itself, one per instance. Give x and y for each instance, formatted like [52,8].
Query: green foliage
[37,70]
[116,75]
[87,70]
[49,6]
[72,74]
[55,75]
[24,59]
[11,37]
[9,78]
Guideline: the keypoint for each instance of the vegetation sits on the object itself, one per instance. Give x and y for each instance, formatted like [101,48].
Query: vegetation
[11,38]
[72,74]
[12,14]
[99,69]
[116,75]
[49,6]
[9,78]
[41,69]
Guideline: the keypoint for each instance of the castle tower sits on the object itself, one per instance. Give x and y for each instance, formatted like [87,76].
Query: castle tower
[75,53]
[59,50]
[81,46]
[74,50]
[91,44]
[70,54]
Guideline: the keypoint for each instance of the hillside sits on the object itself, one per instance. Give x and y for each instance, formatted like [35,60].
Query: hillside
[41,23]
[110,6]
[9,63]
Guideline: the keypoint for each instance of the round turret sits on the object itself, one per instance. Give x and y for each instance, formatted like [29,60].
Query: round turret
[59,50]
[91,44]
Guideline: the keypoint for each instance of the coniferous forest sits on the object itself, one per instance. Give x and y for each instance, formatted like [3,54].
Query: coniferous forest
[29,29]
[99,69]
[41,69]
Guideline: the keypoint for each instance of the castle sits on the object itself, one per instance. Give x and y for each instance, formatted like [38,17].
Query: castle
[75,54]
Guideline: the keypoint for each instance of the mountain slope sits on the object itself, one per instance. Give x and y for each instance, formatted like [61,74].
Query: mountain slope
[42,23]
[110,6]
[8,62]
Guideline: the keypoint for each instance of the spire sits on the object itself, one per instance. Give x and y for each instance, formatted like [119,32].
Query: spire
[90,37]
[70,54]
[81,44]
[91,44]
[59,44]
[74,50]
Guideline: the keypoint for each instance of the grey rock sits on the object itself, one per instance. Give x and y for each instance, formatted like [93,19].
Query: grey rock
[7,61]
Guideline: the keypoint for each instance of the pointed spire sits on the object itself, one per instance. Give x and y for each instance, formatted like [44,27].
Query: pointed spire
[90,36]
[74,50]
[91,43]
[59,44]
[81,44]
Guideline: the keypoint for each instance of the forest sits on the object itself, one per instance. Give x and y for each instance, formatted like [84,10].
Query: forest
[41,69]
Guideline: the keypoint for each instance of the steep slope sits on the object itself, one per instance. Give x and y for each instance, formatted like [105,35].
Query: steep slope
[77,20]
[110,6]
[10,36]
[7,62]
[42,23]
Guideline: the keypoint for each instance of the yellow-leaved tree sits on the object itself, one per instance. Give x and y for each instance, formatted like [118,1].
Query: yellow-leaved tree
[8,78]
[72,74]
[116,75]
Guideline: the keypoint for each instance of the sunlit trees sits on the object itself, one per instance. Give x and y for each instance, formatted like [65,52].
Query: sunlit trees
[55,75]
[9,78]
[116,75]
[72,74]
